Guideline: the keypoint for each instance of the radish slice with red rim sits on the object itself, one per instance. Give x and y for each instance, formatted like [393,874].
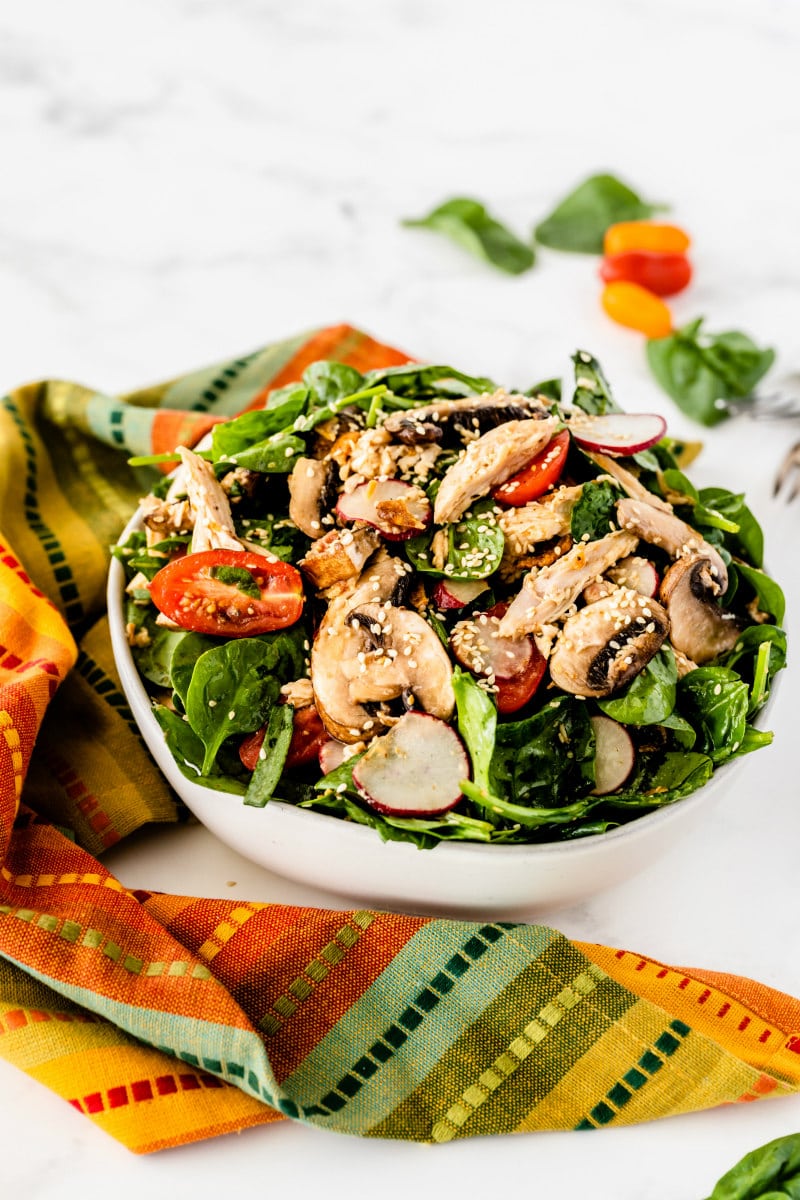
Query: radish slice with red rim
[614,755]
[396,509]
[331,755]
[456,593]
[637,573]
[477,645]
[414,770]
[617,433]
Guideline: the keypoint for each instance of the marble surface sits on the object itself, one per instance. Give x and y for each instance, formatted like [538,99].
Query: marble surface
[184,179]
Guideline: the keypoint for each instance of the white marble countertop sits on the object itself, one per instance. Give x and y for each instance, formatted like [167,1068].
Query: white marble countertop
[185,179]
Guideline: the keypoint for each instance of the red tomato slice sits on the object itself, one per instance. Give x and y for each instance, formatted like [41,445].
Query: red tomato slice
[308,735]
[514,691]
[664,274]
[539,475]
[191,594]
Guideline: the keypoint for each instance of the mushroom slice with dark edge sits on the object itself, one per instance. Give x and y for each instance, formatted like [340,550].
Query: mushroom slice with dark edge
[673,535]
[451,420]
[547,594]
[488,461]
[700,629]
[604,645]
[312,494]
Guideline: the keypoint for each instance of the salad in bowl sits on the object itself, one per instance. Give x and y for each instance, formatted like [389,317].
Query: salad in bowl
[419,602]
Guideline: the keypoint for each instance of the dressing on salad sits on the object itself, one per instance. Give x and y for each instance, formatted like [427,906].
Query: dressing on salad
[416,600]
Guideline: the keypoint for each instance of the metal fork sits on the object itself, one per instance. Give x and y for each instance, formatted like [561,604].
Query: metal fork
[780,405]
[790,467]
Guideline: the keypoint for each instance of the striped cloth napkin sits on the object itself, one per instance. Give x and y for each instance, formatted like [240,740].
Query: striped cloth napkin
[167,1019]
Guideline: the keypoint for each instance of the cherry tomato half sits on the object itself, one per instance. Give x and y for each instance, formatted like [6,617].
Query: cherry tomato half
[634,307]
[664,274]
[645,235]
[308,735]
[232,593]
[539,475]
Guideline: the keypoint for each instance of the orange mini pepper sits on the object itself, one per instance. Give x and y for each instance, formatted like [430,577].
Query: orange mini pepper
[645,235]
[634,307]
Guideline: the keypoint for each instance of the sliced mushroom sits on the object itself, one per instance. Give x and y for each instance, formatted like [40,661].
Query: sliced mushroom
[367,656]
[673,535]
[489,461]
[701,630]
[604,645]
[385,578]
[547,594]
[338,556]
[312,494]
[449,421]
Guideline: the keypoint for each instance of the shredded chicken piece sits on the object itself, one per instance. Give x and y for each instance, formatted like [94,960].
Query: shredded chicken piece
[299,693]
[213,523]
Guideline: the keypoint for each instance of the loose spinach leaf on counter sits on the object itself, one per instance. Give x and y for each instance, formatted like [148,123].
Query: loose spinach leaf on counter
[469,225]
[594,513]
[650,697]
[771,1172]
[580,220]
[715,701]
[697,369]
[592,391]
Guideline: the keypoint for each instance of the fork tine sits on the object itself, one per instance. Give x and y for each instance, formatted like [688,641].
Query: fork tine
[789,465]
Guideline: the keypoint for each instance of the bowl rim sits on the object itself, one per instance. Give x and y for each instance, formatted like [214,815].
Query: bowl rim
[139,699]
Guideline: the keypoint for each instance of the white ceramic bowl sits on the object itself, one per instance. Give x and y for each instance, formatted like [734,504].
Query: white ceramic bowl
[455,877]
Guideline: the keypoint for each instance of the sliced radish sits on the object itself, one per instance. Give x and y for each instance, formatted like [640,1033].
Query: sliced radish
[477,645]
[396,509]
[456,593]
[514,693]
[331,755]
[614,755]
[637,573]
[414,770]
[617,433]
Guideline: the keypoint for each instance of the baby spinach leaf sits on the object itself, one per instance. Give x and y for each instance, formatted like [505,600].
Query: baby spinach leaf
[715,701]
[477,722]
[769,593]
[594,511]
[469,225]
[187,750]
[231,691]
[332,381]
[239,578]
[155,660]
[698,369]
[275,456]
[663,780]
[580,220]
[551,389]
[681,730]
[544,760]
[230,437]
[272,756]
[757,664]
[650,697]
[771,1172]
[184,653]
[426,381]
[475,546]
[592,391]
[749,535]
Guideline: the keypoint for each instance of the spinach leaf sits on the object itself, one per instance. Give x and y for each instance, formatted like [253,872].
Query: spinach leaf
[229,438]
[580,220]
[272,756]
[184,653]
[539,763]
[332,381]
[477,722]
[749,537]
[682,732]
[186,748]
[420,381]
[769,593]
[239,578]
[661,780]
[698,369]
[274,456]
[758,655]
[772,1172]
[154,660]
[469,225]
[231,691]
[715,701]
[593,514]
[475,546]
[650,697]
[551,389]
[592,392]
